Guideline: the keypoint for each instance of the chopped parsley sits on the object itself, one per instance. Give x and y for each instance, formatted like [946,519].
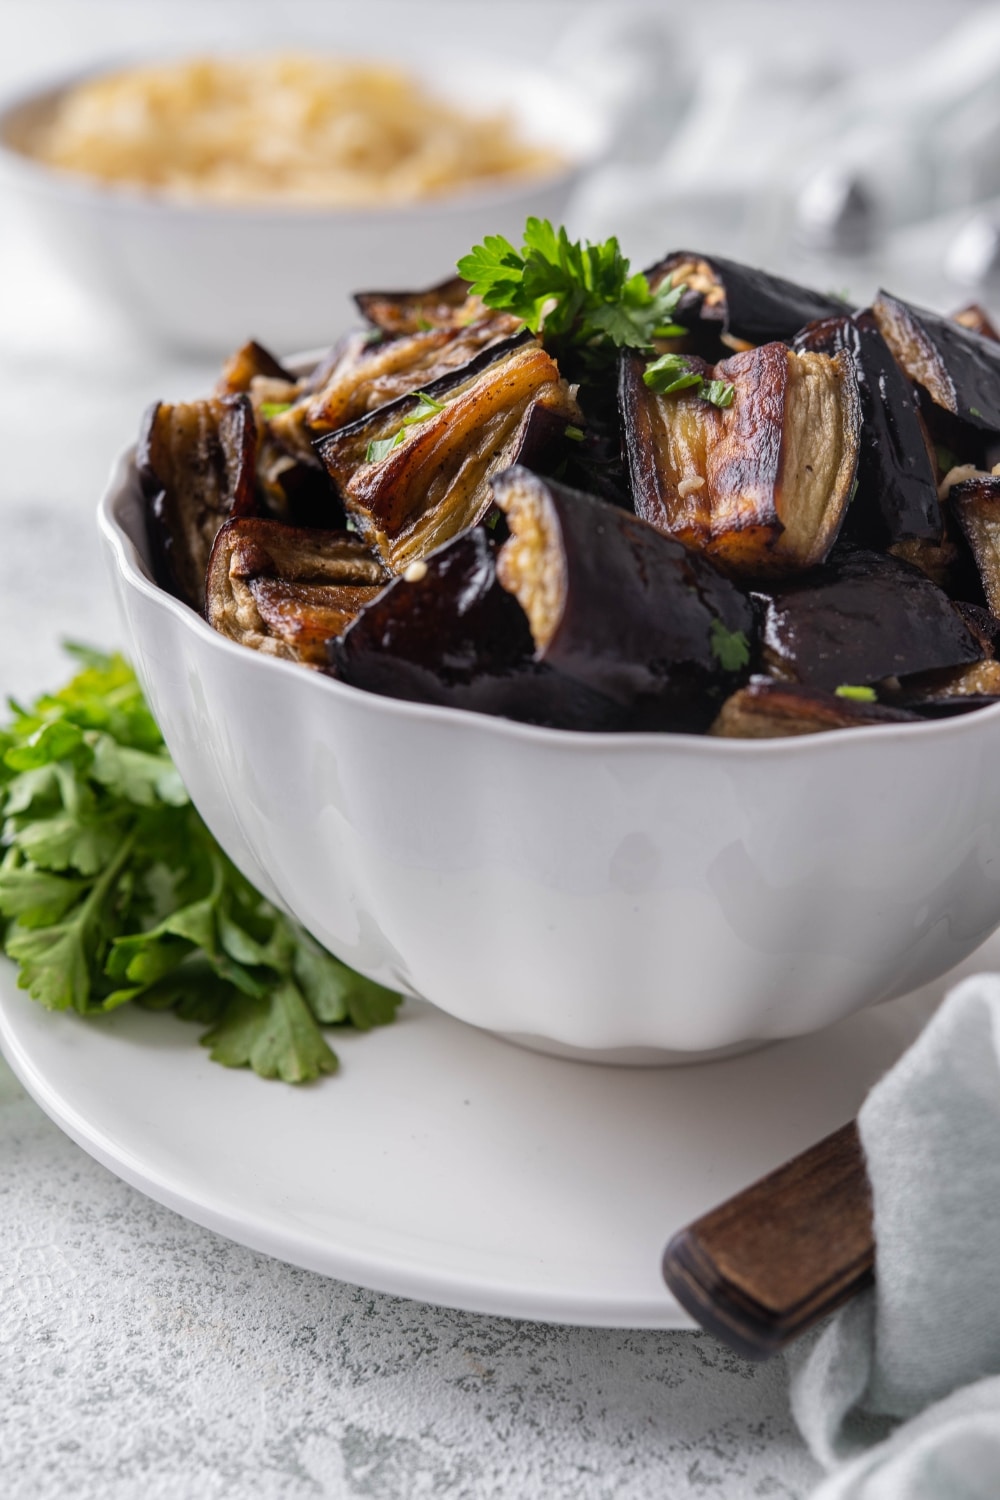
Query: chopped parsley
[575,434]
[856,694]
[380,448]
[730,648]
[975,412]
[271,409]
[672,373]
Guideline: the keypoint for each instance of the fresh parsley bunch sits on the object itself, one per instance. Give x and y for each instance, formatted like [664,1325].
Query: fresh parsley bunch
[584,294]
[114,890]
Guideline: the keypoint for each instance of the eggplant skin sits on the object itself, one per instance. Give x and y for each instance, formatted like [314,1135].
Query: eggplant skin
[741,301]
[959,369]
[196,462]
[896,498]
[760,486]
[767,709]
[975,504]
[620,608]
[509,402]
[285,590]
[449,634]
[866,616]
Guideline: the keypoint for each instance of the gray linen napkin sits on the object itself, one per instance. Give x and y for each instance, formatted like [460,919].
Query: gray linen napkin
[919,1348]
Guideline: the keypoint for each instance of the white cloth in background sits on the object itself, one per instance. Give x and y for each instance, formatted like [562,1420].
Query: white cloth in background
[924,1344]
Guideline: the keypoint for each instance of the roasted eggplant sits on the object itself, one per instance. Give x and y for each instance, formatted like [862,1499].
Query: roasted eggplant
[760,486]
[896,498]
[975,504]
[416,472]
[958,369]
[739,305]
[252,362]
[865,617]
[369,375]
[446,632]
[978,319]
[285,590]
[196,463]
[766,710]
[619,608]
[443,306]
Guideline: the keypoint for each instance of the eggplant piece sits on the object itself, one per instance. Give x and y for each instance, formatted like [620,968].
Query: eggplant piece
[955,690]
[196,462]
[441,306]
[369,375]
[978,320]
[412,476]
[284,590]
[959,369]
[735,302]
[975,504]
[768,710]
[620,608]
[249,363]
[760,486]
[866,616]
[446,632]
[896,497]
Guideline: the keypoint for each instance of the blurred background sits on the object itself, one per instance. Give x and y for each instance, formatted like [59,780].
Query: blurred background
[847,143]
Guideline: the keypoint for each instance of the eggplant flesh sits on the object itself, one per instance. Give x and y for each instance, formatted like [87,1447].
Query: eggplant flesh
[252,362]
[448,633]
[197,464]
[440,306]
[760,486]
[978,320]
[767,709]
[741,302]
[959,369]
[371,375]
[975,504]
[896,497]
[618,607]
[285,590]
[865,617]
[433,481]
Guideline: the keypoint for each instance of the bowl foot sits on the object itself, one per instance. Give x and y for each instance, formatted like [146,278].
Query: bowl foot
[629,1057]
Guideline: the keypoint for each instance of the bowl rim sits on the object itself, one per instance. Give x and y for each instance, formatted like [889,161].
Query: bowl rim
[133,568]
[128,196]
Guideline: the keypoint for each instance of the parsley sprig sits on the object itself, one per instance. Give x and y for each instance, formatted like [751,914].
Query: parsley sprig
[112,890]
[580,294]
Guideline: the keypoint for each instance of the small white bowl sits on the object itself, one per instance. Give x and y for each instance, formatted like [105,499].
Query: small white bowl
[205,278]
[627,898]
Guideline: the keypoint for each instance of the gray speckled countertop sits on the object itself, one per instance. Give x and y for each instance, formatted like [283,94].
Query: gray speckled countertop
[141,1355]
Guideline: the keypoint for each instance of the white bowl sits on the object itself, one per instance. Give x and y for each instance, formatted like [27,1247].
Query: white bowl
[632,897]
[205,278]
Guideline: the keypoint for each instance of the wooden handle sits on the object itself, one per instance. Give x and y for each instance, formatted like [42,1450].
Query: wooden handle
[766,1265]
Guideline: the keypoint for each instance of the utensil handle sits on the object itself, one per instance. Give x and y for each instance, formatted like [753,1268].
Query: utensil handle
[770,1262]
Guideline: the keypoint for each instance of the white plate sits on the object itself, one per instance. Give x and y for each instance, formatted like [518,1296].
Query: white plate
[443,1164]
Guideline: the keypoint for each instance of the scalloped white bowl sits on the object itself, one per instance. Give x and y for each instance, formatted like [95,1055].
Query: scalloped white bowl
[203,276]
[629,898]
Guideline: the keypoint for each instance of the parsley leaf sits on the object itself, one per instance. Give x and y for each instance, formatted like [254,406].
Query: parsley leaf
[730,648]
[380,448]
[671,373]
[575,293]
[857,694]
[719,392]
[112,890]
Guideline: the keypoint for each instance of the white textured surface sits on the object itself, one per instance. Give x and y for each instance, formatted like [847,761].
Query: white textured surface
[140,1355]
